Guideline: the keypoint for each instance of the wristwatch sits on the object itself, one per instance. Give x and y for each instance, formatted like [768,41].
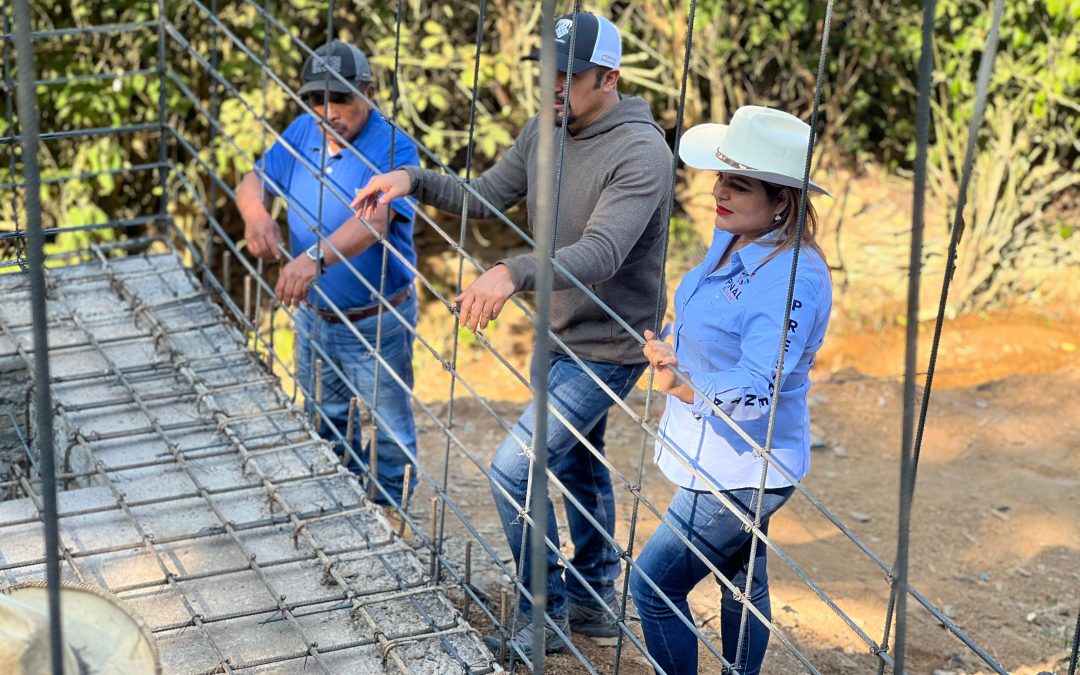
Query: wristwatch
[315,252]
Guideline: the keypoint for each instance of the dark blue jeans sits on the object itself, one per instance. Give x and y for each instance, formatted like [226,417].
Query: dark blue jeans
[585,406]
[719,535]
[397,433]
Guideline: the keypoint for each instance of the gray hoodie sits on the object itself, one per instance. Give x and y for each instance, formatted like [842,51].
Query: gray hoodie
[616,180]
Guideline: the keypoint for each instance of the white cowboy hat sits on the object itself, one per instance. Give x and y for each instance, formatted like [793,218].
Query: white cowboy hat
[100,635]
[760,142]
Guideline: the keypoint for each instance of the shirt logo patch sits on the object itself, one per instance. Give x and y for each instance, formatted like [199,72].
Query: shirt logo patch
[732,287]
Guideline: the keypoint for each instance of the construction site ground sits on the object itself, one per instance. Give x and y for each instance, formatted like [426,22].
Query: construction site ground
[996,517]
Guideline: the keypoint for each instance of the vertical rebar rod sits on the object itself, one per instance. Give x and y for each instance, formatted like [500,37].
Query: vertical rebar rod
[1075,646]
[317,393]
[470,148]
[374,440]
[541,364]
[658,319]
[907,473]
[981,91]
[247,299]
[20,243]
[163,147]
[468,574]
[785,327]
[350,429]
[28,124]
[215,112]
[262,191]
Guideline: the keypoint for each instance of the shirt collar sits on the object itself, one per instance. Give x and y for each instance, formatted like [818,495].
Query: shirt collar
[371,127]
[753,255]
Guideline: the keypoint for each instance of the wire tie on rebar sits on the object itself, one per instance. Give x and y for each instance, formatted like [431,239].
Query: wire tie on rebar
[522,513]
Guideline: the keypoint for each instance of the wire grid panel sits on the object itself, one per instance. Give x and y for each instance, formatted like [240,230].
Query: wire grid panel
[232,555]
[79,470]
[865,638]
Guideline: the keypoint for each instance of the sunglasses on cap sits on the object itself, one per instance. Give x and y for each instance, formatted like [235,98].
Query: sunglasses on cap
[317,99]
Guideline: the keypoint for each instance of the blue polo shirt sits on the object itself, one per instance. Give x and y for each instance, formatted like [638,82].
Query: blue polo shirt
[296,180]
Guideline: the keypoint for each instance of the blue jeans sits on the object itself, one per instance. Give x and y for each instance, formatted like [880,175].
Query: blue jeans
[675,570]
[349,354]
[585,406]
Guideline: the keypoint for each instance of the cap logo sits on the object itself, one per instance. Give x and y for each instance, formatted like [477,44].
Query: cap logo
[727,160]
[320,65]
[562,29]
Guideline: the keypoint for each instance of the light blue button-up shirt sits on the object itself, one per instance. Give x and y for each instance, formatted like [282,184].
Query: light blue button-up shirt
[727,339]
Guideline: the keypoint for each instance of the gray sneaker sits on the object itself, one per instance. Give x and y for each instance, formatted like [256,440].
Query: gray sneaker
[522,639]
[593,620]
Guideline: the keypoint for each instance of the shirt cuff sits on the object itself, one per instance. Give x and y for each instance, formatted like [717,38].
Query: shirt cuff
[416,176]
[522,271]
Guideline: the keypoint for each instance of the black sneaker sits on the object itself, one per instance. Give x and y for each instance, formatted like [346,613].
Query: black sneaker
[522,639]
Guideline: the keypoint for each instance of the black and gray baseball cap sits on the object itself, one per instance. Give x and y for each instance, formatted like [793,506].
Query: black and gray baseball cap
[597,43]
[345,59]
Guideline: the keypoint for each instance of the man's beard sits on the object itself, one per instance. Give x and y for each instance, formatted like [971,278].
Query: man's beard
[570,121]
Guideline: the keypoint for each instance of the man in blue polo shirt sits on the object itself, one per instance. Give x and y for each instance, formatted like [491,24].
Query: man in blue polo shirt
[315,167]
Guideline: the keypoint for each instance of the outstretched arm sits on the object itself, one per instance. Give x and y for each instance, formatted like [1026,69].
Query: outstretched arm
[351,239]
[502,185]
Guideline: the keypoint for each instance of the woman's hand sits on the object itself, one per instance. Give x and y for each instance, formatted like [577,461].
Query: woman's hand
[661,356]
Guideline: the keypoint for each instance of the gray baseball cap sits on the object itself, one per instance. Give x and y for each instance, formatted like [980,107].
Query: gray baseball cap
[345,59]
[597,44]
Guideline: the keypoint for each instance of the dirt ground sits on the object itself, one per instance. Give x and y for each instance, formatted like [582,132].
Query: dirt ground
[996,520]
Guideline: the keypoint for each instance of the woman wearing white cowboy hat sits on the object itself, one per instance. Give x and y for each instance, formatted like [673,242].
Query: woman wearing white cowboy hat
[729,315]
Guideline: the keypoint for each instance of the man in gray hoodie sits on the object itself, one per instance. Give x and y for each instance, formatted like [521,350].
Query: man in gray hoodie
[609,236]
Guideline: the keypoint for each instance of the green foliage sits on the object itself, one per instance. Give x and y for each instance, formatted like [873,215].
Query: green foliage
[759,51]
[1027,146]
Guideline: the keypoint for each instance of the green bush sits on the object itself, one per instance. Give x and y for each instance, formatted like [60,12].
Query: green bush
[761,51]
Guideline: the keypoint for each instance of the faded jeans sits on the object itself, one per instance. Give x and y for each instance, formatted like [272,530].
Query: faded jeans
[669,563]
[396,435]
[585,406]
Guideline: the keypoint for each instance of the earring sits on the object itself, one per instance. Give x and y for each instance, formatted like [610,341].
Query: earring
[777,218]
